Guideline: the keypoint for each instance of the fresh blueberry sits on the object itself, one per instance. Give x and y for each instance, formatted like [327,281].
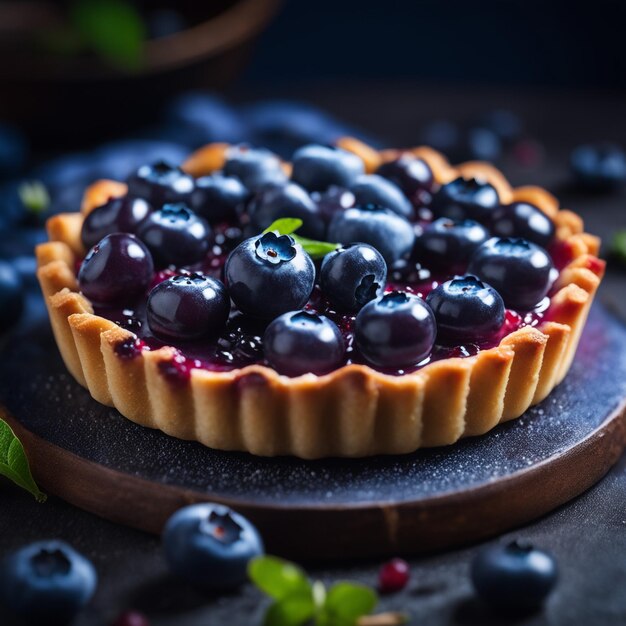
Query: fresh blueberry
[300,342]
[317,167]
[269,275]
[466,309]
[444,136]
[118,215]
[188,306]
[411,174]
[254,167]
[288,200]
[11,295]
[116,269]
[482,144]
[390,234]
[466,198]
[599,167]
[520,271]
[353,275]
[397,330]
[446,243]
[47,582]
[521,219]
[161,183]
[514,577]
[219,198]
[175,235]
[210,545]
[333,200]
[504,123]
[463,142]
[374,189]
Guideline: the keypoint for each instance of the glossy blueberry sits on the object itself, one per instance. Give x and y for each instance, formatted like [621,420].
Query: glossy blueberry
[332,200]
[599,167]
[46,582]
[116,269]
[175,235]
[268,275]
[118,215]
[466,310]
[381,228]
[482,144]
[219,198]
[462,142]
[353,275]
[514,577]
[11,295]
[254,167]
[300,342]
[210,545]
[317,167]
[374,189]
[410,173]
[288,200]
[520,271]
[188,307]
[521,219]
[446,243]
[161,183]
[465,198]
[395,331]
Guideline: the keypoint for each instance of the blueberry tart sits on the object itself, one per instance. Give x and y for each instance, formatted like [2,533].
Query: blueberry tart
[398,302]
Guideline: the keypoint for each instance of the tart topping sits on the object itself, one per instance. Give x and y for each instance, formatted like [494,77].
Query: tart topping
[465,198]
[160,183]
[412,174]
[317,168]
[521,219]
[374,189]
[254,167]
[218,198]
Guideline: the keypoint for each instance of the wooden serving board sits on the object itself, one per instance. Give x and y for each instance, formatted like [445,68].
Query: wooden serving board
[91,456]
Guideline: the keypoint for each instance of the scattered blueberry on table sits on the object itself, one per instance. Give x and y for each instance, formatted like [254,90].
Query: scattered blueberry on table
[599,167]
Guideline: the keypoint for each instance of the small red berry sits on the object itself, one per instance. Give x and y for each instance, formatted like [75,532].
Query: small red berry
[393,576]
[131,618]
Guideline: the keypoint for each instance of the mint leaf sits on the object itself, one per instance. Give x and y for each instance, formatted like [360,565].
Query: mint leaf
[284,226]
[34,196]
[14,464]
[293,610]
[618,246]
[278,578]
[345,603]
[113,29]
[315,249]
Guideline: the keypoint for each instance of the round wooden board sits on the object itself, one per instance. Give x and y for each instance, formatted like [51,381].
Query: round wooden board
[91,456]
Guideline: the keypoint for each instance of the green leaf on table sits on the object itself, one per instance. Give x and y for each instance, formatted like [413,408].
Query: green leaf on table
[278,578]
[34,196]
[345,603]
[284,226]
[113,29]
[292,610]
[315,249]
[14,464]
[618,246]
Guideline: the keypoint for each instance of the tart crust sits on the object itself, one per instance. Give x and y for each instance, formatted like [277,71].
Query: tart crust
[354,411]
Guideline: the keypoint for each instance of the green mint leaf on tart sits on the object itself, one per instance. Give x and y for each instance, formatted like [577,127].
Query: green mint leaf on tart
[618,246]
[14,464]
[34,196]
[278,578]
[284,226]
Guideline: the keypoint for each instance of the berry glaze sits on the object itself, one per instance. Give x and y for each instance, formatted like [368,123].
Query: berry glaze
[240,343]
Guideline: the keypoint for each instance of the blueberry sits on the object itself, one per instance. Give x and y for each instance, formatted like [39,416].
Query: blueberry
[520,271]
[396,330]
[463,142]
[254,167]
[504,123]
[11,295]
[482,144]
[599,167]
[465,198]
[353,275]
[47,582]
[210,545]
[118,215]
[374,189]
[116,269]
[300,342]
[188,307]
[410,173]
[390,234]
[514,577]
[521,219]
[161,183]
[268,275]
[332,200]
[219,198]
[442,135]
[466,309]
[289,200]
[446,243]
[175,235]
[317,167]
